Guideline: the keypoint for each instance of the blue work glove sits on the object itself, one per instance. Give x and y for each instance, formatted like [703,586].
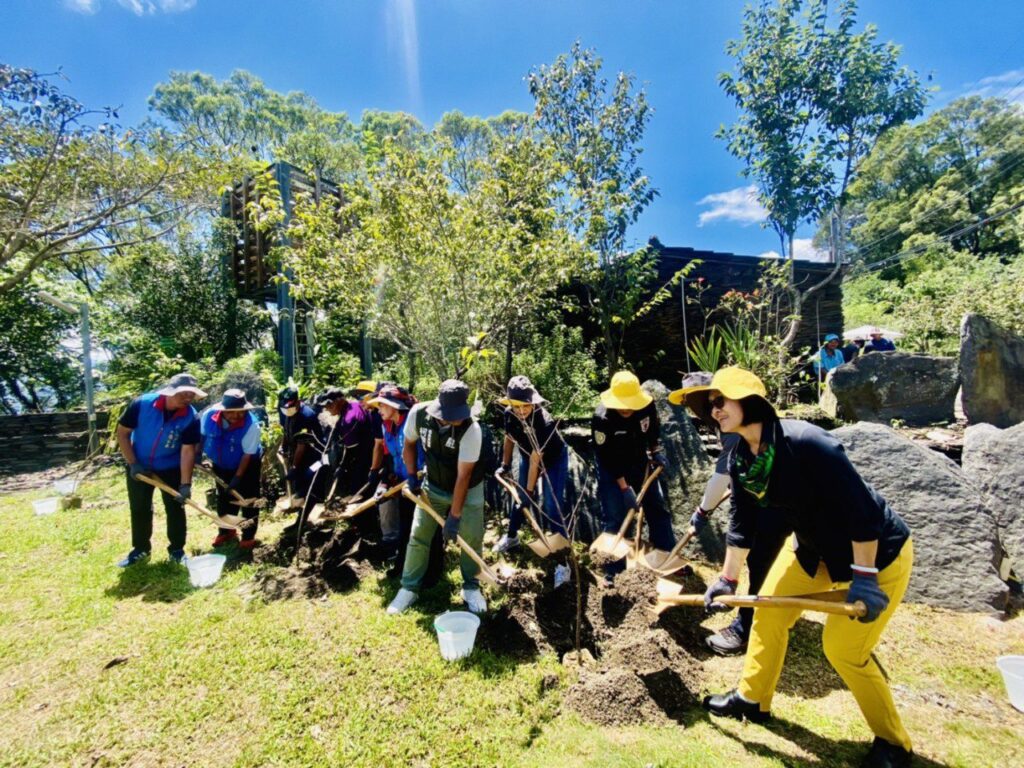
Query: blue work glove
[135,470]
[864,588]
[699,520]
[721,586]
[451,528]
[629,498]
[292,475]
[658,457]
[414,484]
[234,483]
[184,493]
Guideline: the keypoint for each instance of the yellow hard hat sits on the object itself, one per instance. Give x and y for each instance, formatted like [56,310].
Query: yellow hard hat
[625,393]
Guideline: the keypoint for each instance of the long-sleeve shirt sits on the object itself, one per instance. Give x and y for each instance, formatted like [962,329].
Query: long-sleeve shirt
[622,443]
[821,498]
[545,433]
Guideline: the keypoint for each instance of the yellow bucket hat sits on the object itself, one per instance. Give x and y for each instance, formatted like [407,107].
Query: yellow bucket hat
[735,383]
[625,393]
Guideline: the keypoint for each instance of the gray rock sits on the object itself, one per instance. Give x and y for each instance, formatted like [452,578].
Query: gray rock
[993,460]
[956,544]
[992,372]
[882,386]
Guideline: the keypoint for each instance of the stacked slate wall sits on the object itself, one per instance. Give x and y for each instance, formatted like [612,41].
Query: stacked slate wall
[34,441]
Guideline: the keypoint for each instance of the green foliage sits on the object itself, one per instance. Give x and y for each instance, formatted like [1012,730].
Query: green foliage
[561,368]
[706,351]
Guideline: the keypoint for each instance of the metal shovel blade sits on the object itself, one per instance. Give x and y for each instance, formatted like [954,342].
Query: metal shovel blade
[636,556]
[611,545]
[287,503]
[664,563]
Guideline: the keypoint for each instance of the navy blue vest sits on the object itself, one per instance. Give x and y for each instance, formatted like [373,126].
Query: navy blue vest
[224,446]
[157,443]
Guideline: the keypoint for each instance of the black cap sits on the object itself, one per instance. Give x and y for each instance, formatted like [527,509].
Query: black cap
[451,403]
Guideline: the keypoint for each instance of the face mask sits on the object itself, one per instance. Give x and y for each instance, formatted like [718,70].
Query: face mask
[290,411]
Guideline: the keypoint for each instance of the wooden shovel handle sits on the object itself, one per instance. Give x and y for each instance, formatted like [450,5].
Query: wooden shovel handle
[423,504]
[373,501]
[647,484]
[210,473]
[159,484]
[769,601]
[514,493]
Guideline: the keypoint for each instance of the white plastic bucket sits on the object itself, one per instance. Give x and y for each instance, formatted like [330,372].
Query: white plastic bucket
[456,633]
[204,570]
[45,506]
[65,487]
[1012,668]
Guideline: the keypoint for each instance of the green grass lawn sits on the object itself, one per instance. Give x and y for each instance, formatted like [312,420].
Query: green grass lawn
[214,678]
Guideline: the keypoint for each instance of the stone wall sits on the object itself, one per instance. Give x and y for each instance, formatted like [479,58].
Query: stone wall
[34,441]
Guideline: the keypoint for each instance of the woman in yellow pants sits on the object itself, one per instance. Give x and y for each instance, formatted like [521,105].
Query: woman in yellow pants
[845,535]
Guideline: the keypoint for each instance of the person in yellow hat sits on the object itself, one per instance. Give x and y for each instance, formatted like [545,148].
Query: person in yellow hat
[845,537]
[627,442]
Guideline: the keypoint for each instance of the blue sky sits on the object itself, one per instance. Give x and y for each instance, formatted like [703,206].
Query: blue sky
[472,55]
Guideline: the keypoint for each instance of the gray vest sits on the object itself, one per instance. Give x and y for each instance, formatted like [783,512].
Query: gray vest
[441,448]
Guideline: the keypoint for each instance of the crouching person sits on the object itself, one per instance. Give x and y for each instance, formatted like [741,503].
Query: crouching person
[451,441]
[846,536]
[232,442]
[157,435]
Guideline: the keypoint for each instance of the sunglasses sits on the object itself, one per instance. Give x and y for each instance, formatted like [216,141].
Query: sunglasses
[718,401]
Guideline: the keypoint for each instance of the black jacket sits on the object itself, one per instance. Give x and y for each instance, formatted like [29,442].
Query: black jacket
[822,498]
[545,432]
[621,444]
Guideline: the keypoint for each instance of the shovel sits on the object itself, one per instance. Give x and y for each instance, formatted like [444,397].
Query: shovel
[289,502]
[667,563]
[611,544]
[240,500]
[226,521]
[486,574]
[356,508]
[831,601]
[544,545]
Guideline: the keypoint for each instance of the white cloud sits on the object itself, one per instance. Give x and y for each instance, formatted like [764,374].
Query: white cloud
[400,18]
[1009,85]
[177,6]
[137,6]
[83,6]
[739,205]
[803,250]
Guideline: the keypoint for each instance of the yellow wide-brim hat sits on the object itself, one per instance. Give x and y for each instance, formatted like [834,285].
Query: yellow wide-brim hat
[735,383]
[625,393]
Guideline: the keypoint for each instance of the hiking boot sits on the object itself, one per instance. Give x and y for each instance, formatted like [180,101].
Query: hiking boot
[506,544]
[248,544]
[177,556]
[402,601]
[885,755]
[225,538]
[135,556]
[475,601]
[731,704]
[728,642]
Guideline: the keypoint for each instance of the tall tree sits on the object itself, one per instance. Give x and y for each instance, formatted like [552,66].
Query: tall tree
[596,129]
[814,99]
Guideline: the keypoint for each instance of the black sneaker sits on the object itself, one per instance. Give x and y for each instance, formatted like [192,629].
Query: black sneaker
[732,705]
[177,556]
[135,556]
[885,755]
[729,642]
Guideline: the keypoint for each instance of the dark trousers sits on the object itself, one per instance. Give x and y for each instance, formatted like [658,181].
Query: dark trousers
[435,565]
[768,542]
[140,502]
[248,488]
[613,511]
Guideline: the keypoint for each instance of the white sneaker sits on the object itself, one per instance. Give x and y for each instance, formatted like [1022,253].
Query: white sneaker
[402,601]
[474,600]
[562,575]
[506,544]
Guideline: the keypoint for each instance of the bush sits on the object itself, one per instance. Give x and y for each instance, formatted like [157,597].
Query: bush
[562,370]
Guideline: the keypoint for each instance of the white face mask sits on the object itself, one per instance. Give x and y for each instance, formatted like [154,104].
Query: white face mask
[290,411]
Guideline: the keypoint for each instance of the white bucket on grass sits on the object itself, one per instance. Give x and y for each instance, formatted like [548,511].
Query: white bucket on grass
[65,487]
[205,570]
[456,633]
[1012,668]
[45,506]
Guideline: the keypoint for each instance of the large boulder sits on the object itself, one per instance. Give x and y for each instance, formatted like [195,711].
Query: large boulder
[992,372]
[882,386]
[993,460]
[956,543]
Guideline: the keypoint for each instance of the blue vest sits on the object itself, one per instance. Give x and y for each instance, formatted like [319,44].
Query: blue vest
[396,444]
[224,446]
[157,443]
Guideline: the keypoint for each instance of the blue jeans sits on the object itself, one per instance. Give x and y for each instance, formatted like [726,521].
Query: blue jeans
[553,504]
[613,511]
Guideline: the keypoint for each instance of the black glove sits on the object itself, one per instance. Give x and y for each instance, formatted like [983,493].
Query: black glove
[414,484]
[864,588]
[451,528]
[135,470]
[721,586]
[234,483]
[373,479]
[503,472]
[184,493]
[292,475]
[699,520]
[629,498]
[658,457]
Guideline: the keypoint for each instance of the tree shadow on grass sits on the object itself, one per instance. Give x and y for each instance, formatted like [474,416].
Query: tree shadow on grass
[162,582]
[826,752]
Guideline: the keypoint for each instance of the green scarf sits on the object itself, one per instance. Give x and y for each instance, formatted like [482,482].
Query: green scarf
[754,475]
